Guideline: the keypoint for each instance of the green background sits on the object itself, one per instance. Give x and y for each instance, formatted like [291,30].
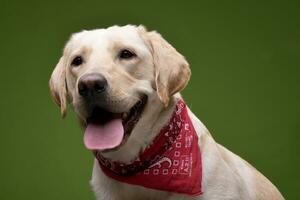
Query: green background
[245,86]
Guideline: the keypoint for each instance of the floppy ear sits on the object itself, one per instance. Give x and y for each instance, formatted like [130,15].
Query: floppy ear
[172,71]
[58,87]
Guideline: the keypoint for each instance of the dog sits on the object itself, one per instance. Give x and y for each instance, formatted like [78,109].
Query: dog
[123,83]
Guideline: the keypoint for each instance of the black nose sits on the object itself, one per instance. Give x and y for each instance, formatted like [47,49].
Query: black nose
[91,84]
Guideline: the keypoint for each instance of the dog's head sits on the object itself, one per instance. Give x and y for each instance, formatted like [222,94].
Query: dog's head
[109,74]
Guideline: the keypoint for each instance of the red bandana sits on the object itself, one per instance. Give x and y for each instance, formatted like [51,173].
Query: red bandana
[171,163]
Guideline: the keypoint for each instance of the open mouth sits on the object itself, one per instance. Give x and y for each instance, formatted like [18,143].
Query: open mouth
[106,130]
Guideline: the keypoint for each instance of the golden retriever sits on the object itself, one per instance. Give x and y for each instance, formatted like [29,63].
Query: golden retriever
[131,78]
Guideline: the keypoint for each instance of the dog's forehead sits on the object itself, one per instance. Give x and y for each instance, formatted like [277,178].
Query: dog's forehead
[102,38]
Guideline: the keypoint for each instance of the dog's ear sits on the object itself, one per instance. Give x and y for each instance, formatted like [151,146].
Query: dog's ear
[172,71]
[58,87]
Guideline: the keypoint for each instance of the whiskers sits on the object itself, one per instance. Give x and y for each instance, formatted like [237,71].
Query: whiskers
[125,96]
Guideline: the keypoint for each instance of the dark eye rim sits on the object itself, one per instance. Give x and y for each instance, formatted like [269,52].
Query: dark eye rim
[126,54]
[77,60]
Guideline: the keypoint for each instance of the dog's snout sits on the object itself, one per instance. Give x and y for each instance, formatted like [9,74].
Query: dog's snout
[91,84]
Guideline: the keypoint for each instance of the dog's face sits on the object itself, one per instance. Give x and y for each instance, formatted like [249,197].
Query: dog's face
[108,75]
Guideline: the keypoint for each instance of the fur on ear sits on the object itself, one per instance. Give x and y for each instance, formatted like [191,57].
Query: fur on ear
[172,71]
[58,87]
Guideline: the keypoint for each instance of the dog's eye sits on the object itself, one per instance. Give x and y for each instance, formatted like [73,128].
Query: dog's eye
[78,60]
[126,54]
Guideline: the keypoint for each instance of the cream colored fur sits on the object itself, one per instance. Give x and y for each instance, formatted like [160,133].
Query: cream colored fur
[160,72]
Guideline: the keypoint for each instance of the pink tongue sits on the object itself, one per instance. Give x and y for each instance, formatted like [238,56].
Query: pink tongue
[103,136]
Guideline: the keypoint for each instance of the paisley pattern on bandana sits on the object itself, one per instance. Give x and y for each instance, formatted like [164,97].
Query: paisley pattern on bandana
[171,163]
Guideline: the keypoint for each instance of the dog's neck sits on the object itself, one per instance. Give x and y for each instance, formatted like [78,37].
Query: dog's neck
[154,117]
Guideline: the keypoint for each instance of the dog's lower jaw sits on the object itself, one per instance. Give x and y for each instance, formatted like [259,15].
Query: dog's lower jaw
[154,117]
